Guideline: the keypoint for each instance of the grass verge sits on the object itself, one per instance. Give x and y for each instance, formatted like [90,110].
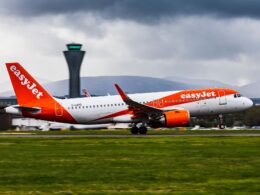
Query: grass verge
[148,165]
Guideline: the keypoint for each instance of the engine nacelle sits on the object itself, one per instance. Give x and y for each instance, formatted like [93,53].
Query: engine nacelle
[176,118]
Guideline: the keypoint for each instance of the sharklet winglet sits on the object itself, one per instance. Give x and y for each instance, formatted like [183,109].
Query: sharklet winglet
[121,93]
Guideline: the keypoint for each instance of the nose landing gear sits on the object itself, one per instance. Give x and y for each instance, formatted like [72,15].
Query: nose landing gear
[221,123]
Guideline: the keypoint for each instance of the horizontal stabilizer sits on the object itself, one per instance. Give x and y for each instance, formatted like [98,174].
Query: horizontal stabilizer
[16,109]
[28,109]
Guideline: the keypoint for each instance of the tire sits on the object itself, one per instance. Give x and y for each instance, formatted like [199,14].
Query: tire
[134,130]
[142,130]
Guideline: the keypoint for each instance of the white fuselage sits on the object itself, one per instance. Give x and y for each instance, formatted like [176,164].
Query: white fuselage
[107,109]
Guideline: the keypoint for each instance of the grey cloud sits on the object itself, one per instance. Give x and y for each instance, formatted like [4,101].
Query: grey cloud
[144,11]
[194,46]
[193,38]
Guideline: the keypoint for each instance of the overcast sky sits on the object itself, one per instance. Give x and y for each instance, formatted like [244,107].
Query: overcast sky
[218,40]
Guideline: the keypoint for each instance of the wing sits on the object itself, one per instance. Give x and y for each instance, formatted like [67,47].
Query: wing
[138,109]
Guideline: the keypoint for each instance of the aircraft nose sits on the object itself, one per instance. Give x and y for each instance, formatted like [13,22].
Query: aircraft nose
[249,103]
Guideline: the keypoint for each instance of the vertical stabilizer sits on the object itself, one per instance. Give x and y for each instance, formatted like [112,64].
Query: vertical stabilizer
[27,89]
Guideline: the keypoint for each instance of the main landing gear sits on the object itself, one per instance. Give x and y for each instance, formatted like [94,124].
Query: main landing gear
[141,130]
[221,123]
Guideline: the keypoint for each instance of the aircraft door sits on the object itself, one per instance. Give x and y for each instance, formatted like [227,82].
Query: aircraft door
[58,110]
[222,97]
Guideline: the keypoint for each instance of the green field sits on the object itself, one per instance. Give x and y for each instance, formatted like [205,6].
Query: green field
[141,165]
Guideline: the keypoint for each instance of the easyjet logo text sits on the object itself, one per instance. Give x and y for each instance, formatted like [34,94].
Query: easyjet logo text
[203,94]
[25,82]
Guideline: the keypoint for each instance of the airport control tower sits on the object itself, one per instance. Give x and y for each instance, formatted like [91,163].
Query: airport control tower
[74,56]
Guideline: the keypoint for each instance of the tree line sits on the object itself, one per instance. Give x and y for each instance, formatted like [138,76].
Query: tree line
[250,117]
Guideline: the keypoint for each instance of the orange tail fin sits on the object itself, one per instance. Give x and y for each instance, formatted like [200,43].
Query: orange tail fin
[26,88]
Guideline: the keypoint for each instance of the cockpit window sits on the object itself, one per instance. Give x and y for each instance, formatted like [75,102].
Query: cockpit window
[237,95]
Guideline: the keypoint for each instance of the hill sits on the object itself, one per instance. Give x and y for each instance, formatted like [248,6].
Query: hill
[104,85]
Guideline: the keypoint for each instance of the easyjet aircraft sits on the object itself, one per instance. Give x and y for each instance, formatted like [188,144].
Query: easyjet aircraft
[159,109]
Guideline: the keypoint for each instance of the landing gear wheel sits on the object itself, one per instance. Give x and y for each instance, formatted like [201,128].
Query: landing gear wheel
[134,130]
[143,130]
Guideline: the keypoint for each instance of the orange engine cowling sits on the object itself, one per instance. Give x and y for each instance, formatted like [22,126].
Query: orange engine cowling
[176,118]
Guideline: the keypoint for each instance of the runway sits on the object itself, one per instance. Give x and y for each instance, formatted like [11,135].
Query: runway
[125,136]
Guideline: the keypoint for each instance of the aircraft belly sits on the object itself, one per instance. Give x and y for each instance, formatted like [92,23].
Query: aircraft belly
[91,118]
[123,119]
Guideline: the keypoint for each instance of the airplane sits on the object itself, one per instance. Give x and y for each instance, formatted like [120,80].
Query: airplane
[158,109]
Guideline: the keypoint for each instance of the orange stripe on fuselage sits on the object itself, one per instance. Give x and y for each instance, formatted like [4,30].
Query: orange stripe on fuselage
[188,96]
[116,114]
[48,112]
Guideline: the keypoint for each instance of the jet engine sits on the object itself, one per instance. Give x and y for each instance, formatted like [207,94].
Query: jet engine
[175,118]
